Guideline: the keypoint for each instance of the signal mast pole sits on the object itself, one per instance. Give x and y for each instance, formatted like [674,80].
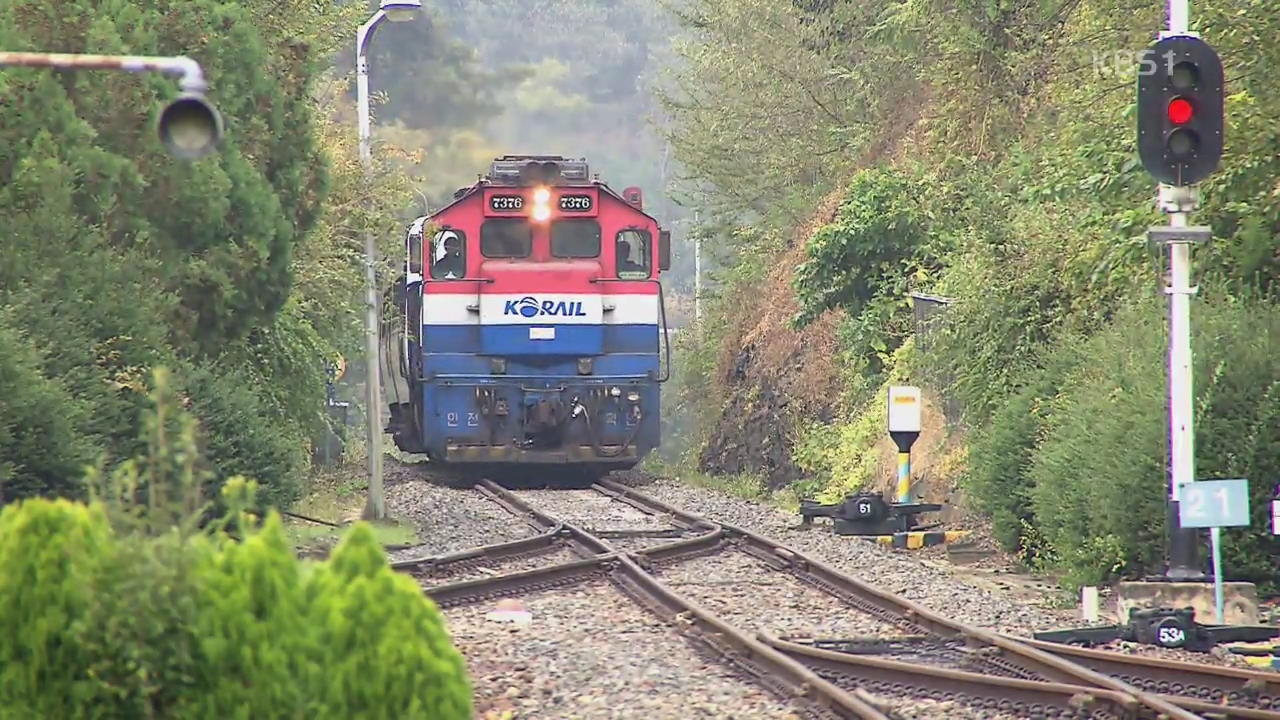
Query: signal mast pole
[1179,17]
[1178,203]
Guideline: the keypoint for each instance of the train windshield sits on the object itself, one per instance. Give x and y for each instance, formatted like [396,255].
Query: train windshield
[575,238]
[506,238]
[632,253]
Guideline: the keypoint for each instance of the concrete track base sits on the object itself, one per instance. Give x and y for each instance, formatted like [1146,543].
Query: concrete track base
[1240,600]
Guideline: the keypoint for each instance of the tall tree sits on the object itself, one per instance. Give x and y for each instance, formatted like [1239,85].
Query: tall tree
[119,257]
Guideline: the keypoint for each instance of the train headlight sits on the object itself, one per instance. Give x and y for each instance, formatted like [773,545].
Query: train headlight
[498,366]
[633,397]
[584,366]
[615,392]
[541,205]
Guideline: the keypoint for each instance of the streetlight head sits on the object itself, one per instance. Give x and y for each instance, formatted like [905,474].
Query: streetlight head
[190,127]
[401,10]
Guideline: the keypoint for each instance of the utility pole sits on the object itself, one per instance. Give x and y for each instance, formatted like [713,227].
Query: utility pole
[697,267]
[376,506]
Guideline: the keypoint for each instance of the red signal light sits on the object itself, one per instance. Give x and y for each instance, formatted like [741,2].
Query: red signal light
[1180,111]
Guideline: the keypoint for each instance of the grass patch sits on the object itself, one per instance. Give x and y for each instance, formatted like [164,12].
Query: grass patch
[747,486]
[309,536]
[337,495]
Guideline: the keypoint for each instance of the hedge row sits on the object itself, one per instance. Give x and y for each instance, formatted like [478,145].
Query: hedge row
[178,625]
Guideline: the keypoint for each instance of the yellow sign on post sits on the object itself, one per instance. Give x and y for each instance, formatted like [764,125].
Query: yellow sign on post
[904,428]
[904,409]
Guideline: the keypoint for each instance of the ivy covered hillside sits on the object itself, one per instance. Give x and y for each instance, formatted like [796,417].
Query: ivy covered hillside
[978,157]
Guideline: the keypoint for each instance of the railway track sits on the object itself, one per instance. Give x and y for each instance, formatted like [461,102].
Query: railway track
[826,643]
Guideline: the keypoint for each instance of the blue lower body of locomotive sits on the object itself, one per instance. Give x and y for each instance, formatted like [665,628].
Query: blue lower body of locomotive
[595,408]
[607,422]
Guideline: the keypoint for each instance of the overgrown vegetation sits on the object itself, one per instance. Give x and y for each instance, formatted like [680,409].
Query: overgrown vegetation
[133,606]
[983,153]
[240,271]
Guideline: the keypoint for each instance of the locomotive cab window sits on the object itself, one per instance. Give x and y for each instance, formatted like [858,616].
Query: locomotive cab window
[449,255]
[633,250]
[413,248]
[575,238]
[506,238]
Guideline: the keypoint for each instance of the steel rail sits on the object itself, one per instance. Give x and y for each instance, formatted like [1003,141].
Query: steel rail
[548,539]
[997,693]
[866,596]
[584,543]
[467,592]
[1056,666]
[646,504]
[766,666]
[784,676]
[881,671]
[1161,675]
[434,565]
[553,535]
[769,667]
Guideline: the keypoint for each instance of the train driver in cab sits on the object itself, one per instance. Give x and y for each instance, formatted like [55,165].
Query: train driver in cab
[627,266]
[449,263]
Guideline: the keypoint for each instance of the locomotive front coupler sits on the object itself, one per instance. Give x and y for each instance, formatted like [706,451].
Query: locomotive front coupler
[867,514]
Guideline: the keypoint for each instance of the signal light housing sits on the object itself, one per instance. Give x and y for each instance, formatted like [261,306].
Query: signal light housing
[190,127]
[1180,110]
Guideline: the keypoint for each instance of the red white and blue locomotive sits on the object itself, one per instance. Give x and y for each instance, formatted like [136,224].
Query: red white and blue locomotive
[533,325]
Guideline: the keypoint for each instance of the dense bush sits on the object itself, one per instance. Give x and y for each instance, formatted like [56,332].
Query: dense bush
[1001,451]
[40,448]
[241,433]
[104,625]
[1074,468]
[123,608]
[236,270]
[874,243]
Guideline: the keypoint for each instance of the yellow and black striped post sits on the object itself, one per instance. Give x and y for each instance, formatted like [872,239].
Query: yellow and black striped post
[904,477]
[916,539]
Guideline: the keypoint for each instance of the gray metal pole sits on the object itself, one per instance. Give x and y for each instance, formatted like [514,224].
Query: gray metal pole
[191,77]
[1183,555]
[376,506]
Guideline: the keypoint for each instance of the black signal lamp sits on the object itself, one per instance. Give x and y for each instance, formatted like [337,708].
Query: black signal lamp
[1180,110]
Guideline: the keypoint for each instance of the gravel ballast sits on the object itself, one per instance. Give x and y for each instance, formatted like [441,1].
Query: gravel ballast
[591,510]
[939,588]
[738,588]
[590,652]
[896,572]
[448,520]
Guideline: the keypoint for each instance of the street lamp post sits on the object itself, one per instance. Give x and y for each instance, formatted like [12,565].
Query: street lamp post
[190,127]
[395,11]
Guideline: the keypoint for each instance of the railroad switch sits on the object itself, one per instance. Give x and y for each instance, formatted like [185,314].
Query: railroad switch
[1164,627]
[867,514]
